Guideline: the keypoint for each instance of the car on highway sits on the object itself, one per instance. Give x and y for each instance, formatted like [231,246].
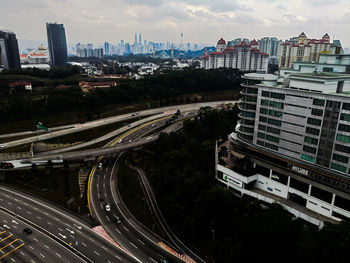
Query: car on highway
[153,125]
[117,220]
[100,165]
[6,165]
[2,146]
[108,208]
[163,260]
[149,138]
[129,141]
[120,141]
[27,231]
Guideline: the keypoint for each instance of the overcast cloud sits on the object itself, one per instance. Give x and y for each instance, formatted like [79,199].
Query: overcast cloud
[202,21]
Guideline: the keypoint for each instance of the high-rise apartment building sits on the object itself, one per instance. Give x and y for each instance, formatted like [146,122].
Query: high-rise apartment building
[244,56]
[9,54]
[56,38]
[305,50]
[295,141]
[271,46]
[107,48]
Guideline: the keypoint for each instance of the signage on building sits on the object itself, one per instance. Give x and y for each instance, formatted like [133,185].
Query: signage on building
[300,170]
[232,181]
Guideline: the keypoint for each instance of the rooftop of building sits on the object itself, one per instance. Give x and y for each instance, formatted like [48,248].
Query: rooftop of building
[323,75]
[260,76]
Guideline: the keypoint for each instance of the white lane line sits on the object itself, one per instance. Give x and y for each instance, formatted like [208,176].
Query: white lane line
[104,185]
[141,241]
[25,203]
[22,253]
[35,239]
[13,260]
[91,239]
[108,219]
[36,208]
[16,200]
[38,217]
[153,260]
[84,244]
[9,203]
[47,246]
[46,213]
[118,257]
[29,212]
[133,245]
[42,255]
[72,236]
[31,247]
[59,255]
[32,261]
[49,223]
[60,229]
[120,233]
[57,219]
[98,195]
[18,207]
[14,226]
[96,253]
[104,248]
[126,228]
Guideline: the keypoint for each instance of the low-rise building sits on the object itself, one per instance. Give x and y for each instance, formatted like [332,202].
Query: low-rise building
[86,86]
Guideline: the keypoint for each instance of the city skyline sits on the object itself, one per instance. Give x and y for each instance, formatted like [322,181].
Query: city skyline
[200,21]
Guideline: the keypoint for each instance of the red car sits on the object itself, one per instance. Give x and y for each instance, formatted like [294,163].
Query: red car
[6,165]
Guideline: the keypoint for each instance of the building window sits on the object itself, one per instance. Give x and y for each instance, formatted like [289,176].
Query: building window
[275,95]
[318,102]
[312,131]
[261,143]
[276,104]
[338,167]
[265,93]
[343,127]
[308,158]
[262,127]
[275,113]
[265,102]
[261,135]
[317,112]
[275,122]
[342,148]
[273,130]
[340,158]
[262,119]
[264,111]
[271,146]
[346,106]
[314,121]
[311,140]
[309,149]
[343,138]
[272,138]
[345,117]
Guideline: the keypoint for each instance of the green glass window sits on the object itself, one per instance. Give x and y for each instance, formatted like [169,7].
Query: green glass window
[318,102]
[308,158]
[343,138]
[338,167]
[345,117]
[340,158]
[311,140]
[317,112]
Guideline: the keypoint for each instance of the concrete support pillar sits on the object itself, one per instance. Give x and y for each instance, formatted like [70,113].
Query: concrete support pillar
[288,181]
[333,199]
[270,173]
[254,165]
[309,192]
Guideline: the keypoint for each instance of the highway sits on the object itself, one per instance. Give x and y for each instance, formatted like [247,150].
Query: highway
[62,225]
[129,232]
[16,246]
[101,122]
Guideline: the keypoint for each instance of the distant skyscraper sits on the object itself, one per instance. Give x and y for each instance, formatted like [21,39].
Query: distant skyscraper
[56,38]
[271,46]
[9,54]
[140,39]
[135,43]
[107,47]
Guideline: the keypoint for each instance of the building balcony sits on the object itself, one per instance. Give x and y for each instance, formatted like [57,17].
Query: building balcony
[244,123]
[244,130]
[245,100]
[243,107]
[245,92]
[248,117]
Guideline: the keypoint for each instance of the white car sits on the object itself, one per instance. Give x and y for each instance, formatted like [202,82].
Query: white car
[108,208]
[148,138]
[2,146]
[100,165]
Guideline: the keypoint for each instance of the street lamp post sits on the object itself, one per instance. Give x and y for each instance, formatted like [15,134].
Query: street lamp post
[213,244]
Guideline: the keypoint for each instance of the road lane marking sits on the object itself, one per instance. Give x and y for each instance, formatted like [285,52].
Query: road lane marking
[35,239]
[108,219]
[120,233]
[104,248]
[38,217]
[84,244]
[9,244]
[126,228]
[42,255]
[141,241]
[6,238]
[13,260]
[12,251]
[59,255]
[47,246]
[29,212]
[18,207]
[49,223]
[133,245]
[153,260]
[22,253]
[31,247]
[96,253]
[118,257]
[60,229]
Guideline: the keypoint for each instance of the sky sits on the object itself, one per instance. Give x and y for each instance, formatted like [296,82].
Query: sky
[201,21]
